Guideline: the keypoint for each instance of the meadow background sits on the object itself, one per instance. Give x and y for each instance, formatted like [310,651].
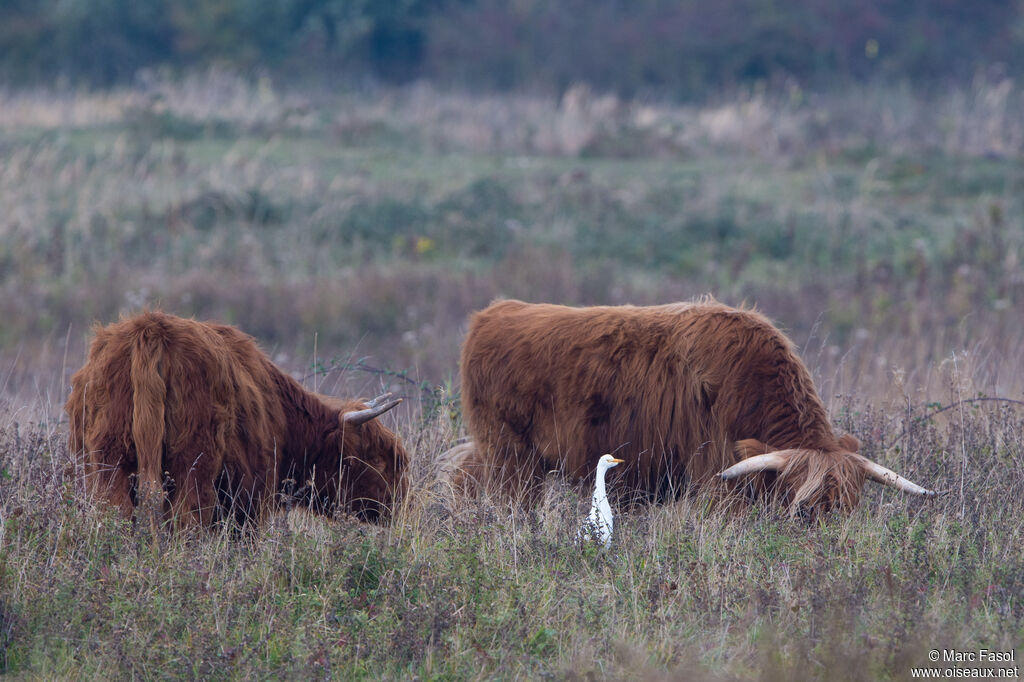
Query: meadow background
[858,177]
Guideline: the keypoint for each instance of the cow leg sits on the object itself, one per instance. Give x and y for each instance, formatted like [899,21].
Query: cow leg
[522,476]
[110,482]
[194,500]
[242,494]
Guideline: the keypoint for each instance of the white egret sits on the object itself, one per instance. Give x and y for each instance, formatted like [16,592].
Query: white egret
[598,526]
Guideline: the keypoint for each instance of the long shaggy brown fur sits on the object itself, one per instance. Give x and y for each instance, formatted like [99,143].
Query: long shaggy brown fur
[679,391]
[199,411]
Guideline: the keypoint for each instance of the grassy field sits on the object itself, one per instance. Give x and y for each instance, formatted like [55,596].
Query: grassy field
[352,233]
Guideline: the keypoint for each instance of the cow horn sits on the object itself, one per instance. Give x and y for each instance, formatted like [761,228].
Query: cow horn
[879,474]
[770,461]
[375,401]
[362,416]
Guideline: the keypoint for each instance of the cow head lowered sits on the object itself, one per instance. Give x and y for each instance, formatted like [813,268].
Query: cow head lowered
[686,393]
[371,476]
[809,482]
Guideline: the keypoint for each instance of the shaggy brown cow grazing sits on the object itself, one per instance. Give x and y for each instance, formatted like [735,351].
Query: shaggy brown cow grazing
[681,392]
[197,410]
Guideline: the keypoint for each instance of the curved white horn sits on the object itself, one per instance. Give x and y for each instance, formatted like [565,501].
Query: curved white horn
[362,416]
[770,461]
[879,474]
[378,399]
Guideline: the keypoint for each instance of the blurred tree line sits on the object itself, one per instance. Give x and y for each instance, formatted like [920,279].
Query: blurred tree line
[685,48]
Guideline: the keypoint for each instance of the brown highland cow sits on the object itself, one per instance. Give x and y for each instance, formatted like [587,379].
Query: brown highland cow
[196,415]
[687,394]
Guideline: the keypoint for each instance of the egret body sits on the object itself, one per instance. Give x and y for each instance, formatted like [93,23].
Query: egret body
[599,523]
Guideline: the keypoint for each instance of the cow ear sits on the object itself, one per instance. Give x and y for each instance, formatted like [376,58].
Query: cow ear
[750,447]
[850,443]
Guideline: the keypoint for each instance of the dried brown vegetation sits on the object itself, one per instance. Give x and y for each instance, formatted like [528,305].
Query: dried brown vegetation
[881,230]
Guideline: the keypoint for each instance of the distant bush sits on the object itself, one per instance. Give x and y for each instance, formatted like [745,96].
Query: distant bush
[686,49]
[689,48]
[105,41]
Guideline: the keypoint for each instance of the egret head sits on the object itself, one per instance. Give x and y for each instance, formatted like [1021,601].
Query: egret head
[607,462]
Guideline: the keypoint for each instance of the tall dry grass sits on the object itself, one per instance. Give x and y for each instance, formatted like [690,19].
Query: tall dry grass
[352,233]
[475,588]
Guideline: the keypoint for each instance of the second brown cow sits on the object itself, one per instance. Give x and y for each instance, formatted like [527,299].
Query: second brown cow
[197,412]
[687,394]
